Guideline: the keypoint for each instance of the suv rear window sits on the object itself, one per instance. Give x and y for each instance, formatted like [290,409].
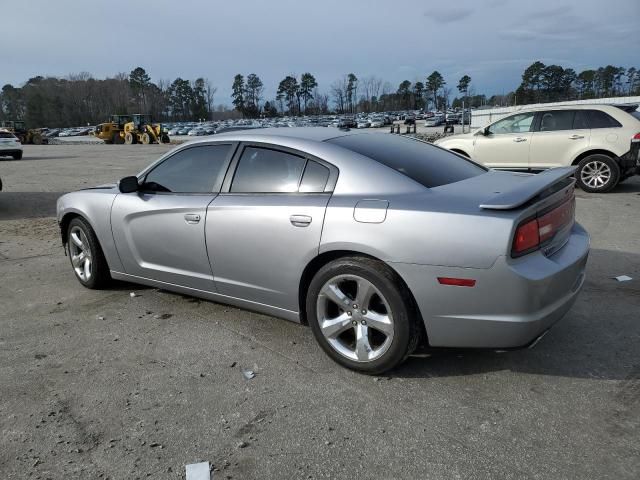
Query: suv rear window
[6,135]
[427,164]
[599,119]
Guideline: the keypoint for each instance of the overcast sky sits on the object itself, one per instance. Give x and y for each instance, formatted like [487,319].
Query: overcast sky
[490,40]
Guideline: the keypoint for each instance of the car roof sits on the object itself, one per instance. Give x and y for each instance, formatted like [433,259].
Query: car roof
[582,106]
[318,134]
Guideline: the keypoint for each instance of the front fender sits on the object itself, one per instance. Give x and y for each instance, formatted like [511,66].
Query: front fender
[94,206]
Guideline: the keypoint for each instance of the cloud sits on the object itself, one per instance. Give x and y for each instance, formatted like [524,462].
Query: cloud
[448,14]
[559,25]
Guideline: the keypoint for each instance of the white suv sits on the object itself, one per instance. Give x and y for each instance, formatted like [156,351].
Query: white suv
[602,140]
[10,146]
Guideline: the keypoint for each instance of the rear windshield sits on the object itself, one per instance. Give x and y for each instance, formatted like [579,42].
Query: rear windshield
[427,164]
[6,135]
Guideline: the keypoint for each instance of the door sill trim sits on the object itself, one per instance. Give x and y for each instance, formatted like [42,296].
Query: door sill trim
[215,297]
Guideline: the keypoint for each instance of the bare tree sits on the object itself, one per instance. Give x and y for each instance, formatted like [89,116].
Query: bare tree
[210,91]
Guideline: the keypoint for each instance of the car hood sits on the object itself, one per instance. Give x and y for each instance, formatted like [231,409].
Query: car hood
[107,186]
[459,136]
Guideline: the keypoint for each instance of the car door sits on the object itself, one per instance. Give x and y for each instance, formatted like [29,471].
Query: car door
[559,136]
[266,225]
[159,230]
[505,143]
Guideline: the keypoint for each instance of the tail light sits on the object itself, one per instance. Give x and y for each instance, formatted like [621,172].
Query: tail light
[533,233]
[636,138]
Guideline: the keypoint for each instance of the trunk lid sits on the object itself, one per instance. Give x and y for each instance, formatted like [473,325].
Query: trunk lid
[547,198]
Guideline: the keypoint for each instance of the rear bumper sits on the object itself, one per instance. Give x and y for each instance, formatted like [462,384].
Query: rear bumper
[512,304]
[631,159]
[9,151]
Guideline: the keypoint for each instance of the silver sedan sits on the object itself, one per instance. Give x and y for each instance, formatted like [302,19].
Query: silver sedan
[378,242]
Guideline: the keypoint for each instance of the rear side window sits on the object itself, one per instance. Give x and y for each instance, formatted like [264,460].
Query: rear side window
[6,135]
[314,178]
[599,119]
[262,170]
[557,120]
[427,164]
[580,121]
[192,170]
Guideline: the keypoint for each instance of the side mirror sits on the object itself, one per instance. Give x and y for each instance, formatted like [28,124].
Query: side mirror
[128,185]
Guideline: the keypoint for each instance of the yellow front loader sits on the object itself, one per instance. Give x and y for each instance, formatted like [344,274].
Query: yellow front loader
[130,129]
[142,130]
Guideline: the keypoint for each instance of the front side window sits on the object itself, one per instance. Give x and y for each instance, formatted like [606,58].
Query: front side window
[518,123]
[192,170]
[557,120]
[261,170]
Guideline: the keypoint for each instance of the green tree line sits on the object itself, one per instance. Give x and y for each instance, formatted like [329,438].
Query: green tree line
[80,99]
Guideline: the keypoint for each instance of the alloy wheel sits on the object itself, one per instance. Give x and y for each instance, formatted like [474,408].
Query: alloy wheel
[80,253]
[355,318]
[595,174]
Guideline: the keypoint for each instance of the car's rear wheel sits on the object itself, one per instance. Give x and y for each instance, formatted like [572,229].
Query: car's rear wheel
[361,316]
[598,173]
[87,259]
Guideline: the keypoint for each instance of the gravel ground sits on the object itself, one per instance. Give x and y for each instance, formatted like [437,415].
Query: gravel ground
[100,384]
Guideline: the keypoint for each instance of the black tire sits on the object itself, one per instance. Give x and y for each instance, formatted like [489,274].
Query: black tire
[165,138]
[597,168]
[406,331]
[100,276]
[117,139]
[17,156]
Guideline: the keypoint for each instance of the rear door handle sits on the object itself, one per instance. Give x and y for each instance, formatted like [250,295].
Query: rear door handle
[519,139]
[192,218]
[576,137]
[300,220]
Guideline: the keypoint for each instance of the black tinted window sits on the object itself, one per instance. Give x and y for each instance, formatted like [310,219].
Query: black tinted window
[557,120]
[580,121]
[426,164]
[6,135]
[598,119]
[192,170]
[267,171]
[314,178]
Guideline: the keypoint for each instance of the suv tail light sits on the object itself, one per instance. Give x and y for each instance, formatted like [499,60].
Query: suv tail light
[533,233]
[636,138]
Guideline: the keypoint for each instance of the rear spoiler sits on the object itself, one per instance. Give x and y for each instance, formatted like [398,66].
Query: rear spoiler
[528,189]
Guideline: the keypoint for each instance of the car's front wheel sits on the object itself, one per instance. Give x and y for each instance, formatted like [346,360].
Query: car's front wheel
[361,316]
[17,156]
[87,259]
[598,173]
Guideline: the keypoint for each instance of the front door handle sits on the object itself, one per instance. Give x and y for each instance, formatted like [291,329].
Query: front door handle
[576,137]
[300,220]
[519,139]
[192,218]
